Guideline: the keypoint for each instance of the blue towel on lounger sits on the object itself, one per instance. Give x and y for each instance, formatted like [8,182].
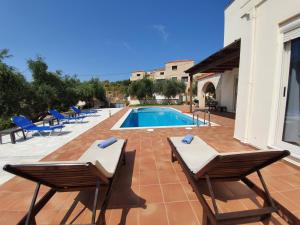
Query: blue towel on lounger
[107,142]
[187,139]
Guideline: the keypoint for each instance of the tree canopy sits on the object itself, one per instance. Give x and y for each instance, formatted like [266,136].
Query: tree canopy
[144,89]
[48,89]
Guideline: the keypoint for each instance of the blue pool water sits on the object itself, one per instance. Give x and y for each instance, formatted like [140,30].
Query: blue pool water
[154,117]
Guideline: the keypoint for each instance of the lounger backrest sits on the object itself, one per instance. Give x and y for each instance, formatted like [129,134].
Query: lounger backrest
[239,165]
[22,121]
[77,110]
[56,114]
[60,176]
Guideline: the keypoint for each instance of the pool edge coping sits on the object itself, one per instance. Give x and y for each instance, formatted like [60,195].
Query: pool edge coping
[117,125]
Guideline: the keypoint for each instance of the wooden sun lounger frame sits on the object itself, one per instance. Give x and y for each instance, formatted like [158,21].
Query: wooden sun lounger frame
[210,217]
[86,176]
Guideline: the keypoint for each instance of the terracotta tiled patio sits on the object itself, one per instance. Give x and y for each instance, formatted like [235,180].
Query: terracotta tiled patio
[150,189]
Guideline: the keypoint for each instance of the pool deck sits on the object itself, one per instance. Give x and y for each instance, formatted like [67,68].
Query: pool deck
[34,148]
[150,189]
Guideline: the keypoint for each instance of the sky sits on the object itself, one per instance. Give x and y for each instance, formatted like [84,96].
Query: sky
[109,39]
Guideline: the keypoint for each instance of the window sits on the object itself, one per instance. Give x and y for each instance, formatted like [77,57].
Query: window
[174,78]
[162,73]
[291,129]
[184,79]
[138,75]
[174,67]
[288,115]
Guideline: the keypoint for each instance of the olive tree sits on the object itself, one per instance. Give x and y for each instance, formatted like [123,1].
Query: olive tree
[169,88]
[142,89]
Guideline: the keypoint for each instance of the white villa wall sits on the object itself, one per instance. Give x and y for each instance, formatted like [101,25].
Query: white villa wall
[224,84]
[227,95]
[215,80]
[256,22]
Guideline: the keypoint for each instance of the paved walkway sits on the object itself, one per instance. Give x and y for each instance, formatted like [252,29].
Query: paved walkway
[35,147]
[150,189]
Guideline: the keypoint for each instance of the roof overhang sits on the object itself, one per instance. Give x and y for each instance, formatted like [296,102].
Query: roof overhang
[224,59]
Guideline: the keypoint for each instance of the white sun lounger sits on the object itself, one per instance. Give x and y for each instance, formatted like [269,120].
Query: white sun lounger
[94,168]
[200,161]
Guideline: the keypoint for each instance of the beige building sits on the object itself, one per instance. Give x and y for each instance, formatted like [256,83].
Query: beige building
[159,74]
[138,75]
[173,70]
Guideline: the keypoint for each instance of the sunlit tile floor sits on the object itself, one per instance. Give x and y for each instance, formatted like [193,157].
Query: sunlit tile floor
[150,189]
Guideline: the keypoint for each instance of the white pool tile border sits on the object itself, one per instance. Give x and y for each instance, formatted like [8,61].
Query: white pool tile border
[117,125]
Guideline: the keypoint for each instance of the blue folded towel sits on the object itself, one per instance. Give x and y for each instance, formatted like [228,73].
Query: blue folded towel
[107,142]
[187,139]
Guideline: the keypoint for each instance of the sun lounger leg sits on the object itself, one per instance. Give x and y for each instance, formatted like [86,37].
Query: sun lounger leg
[269,198]
[24,136]
[37,207]
[205,220]
[124,159]
[173,158]
[212,195]
[95,202]
[28,219]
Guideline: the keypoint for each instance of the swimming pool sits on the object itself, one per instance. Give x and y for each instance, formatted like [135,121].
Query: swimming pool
[156,117]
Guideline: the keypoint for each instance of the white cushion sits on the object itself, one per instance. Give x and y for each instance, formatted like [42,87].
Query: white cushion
[178,141]
[196,155]
[105,159]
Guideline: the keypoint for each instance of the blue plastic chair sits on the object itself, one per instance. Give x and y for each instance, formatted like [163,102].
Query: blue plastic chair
[57,115]
[85,112]
[28,126]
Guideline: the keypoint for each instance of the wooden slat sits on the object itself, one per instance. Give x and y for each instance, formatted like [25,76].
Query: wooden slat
[240,165]
[245,214]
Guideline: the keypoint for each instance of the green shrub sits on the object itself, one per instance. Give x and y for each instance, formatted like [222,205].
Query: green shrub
[5,123]
[46,91]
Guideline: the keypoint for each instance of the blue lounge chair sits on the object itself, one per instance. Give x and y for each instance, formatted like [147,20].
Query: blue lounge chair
[57,115]
[28,126]
[85,112]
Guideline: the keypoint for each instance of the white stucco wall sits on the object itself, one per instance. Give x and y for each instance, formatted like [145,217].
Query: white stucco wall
[256,22]
[215,80]
[227,95]
[224,84]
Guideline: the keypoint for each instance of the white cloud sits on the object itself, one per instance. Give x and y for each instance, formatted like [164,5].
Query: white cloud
[161,29]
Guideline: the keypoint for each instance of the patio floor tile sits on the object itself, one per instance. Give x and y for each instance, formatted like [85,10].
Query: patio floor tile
[153,214]
[150,189]
[173,192]
[152,193]
[181,213]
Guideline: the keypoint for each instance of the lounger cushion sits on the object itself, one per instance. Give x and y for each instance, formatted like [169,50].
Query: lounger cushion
[106,160]
[178,141]
[195,155]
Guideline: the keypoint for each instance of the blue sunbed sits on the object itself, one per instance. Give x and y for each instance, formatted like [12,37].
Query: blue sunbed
[57,115]
[85,112]
[28,126]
